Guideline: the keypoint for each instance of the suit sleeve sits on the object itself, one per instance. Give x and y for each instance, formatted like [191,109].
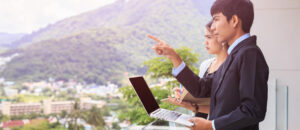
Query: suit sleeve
[198,87]
[253,90]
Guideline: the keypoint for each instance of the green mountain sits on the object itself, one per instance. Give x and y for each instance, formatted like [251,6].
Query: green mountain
[6,39]
[100,45]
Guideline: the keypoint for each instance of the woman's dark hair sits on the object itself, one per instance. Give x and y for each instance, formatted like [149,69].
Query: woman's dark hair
[242,8]
[208,25]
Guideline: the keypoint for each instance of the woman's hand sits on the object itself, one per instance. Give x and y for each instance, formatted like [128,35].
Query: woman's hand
[178,102]
[187,105]
[184,104]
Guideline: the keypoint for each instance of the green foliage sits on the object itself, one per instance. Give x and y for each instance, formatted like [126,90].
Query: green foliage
[161,67]
[106,111]
[30,116]
[4,117]
[64,95]
[75,114]
[94,117]
[41,125]
[28,98]
[47,92]
[116,126]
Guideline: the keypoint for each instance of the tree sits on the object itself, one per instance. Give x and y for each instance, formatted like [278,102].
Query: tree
[105,111]
[116,126]
[3,117]
[63,114]
[32,115]
[47,92]
[40,124]
[75,114]
[94,118]
[160,67]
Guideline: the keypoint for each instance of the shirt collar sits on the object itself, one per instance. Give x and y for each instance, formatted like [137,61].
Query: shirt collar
[237,41]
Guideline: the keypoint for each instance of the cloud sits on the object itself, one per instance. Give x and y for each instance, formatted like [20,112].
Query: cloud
[25,16]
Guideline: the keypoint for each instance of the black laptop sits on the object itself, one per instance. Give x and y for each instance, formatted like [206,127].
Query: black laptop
[142,90]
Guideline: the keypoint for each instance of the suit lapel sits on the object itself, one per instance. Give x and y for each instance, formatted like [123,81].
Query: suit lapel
[224,69]
[230,58]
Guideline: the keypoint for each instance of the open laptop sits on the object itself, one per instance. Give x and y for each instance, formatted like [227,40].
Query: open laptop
[142,90]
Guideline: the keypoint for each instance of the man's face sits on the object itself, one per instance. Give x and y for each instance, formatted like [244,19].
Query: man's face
[222,28]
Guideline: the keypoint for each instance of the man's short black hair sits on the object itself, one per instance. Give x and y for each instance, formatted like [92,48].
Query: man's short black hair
[242,8]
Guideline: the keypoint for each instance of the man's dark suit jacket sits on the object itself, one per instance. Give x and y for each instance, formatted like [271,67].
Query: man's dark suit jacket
[238,91]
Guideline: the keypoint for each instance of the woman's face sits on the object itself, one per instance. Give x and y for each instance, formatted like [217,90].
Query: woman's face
[211,44]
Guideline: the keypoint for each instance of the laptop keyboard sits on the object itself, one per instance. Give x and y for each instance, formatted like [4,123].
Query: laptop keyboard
[164,114]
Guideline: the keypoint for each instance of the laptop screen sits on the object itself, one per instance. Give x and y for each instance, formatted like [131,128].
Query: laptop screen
[142,90]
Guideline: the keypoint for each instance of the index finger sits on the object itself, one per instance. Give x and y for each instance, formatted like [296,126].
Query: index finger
[154,38]
[191,120]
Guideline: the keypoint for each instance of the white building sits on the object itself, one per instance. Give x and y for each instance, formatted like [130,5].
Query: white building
[10,92]
[9,108]
[59,106]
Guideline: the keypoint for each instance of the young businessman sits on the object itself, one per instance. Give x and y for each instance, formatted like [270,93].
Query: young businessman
[239,90]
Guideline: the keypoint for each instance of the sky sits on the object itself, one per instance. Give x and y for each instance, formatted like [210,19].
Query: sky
[25,16]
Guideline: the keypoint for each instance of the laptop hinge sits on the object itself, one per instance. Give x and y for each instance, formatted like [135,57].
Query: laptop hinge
[154,112]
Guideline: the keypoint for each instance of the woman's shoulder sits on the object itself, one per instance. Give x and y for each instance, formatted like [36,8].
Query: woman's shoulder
[204,66]
[207,62]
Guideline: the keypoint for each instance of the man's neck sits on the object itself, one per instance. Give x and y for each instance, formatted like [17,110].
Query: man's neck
[221,56]
[235,37]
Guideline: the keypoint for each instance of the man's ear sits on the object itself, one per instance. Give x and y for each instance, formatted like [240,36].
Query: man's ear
[234,21]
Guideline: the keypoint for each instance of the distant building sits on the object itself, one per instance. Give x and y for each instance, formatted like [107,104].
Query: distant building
[59,106]
[10,92]
[87,103]
[9,108]
[9,83]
